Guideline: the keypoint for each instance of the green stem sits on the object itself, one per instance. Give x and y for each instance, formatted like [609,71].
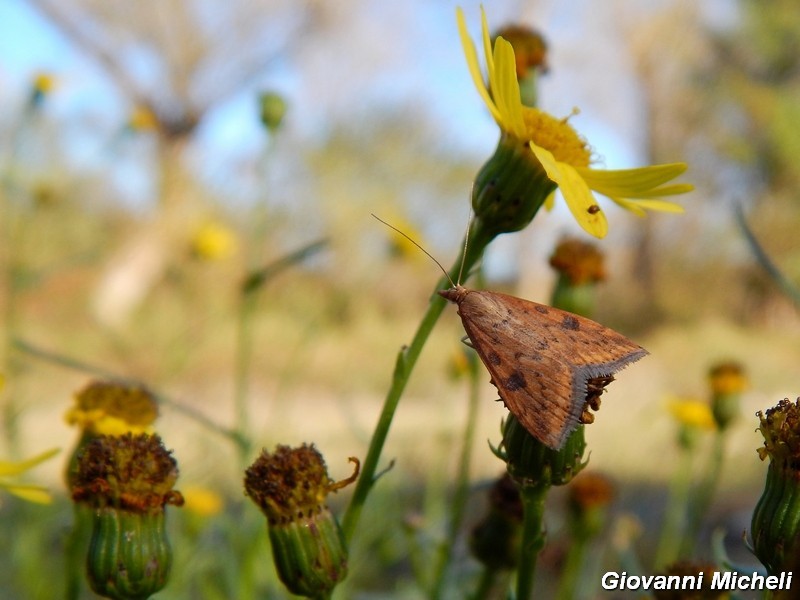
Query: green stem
[533,537]
[485,585]
[445,549]
[571,574]
[674,526]
[406,359]
[252,285]
[705,494]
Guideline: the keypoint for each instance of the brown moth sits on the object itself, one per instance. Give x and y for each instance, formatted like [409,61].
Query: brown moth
[549,365]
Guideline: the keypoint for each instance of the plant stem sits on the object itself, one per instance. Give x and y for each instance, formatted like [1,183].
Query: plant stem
[486,584]
[445,550]
[699,507]
[533,537]
[406,359]
[674,526]
[571,574]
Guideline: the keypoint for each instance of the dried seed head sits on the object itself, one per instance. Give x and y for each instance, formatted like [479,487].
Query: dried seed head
[131,472]
[290,487]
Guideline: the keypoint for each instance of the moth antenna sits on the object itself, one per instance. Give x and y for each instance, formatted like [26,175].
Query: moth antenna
[428,254]
[464,252]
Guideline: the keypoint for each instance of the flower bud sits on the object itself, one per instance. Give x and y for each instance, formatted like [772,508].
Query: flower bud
[532,464]
[509,189]
[127,481]
[495,540]
[290,487]
[580,267]
[775,525]
[272,109]
[588,501]
[727,380]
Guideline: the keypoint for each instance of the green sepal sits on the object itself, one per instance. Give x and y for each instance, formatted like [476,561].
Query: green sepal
[310,553]
[510,188]
[776,521]
[129,554]
[532,464]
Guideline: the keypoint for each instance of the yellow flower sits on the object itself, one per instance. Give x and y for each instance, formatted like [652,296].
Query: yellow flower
[213,241]
[43,83]
[109,408]
[563,154]
[31,493]
[692,413]
[142,119]
[202,501]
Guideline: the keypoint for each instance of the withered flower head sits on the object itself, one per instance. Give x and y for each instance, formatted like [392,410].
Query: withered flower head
[578,261]
[130,472]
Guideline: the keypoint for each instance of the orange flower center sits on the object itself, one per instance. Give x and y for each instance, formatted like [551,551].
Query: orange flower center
[557,136]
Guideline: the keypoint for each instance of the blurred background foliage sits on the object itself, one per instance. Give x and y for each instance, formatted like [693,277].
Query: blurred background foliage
[140,186]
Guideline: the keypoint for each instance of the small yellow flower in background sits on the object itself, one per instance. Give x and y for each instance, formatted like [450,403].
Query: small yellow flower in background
[401,246]
[142,119]
[727,378]
[213,241]
[691,412]
[29,492]
[43,83]
[202,501]
[563,154]
[108,408]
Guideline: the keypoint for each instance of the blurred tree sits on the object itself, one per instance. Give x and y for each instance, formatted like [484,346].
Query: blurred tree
[754,81]
[174,61]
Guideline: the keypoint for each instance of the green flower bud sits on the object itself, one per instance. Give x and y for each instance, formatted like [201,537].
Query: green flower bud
[776,519]
[272,109]
[532,464]
[290,487]
[510,188]
[127,481]
[129,555]
[495,540]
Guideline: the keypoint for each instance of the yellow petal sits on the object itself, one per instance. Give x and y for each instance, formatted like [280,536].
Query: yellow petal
[632,183]
[576,193]
[667,190]
[505,89]
[550,201]
[639,206]
[474,66]
[15,468]
[487,43]
[31,493]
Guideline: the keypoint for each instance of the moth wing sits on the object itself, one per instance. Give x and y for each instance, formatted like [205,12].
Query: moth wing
[541,358]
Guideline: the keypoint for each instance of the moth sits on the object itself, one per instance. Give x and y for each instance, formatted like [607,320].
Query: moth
[549,366]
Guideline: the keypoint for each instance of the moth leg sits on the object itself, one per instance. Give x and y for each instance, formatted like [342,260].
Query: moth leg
[467,342]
